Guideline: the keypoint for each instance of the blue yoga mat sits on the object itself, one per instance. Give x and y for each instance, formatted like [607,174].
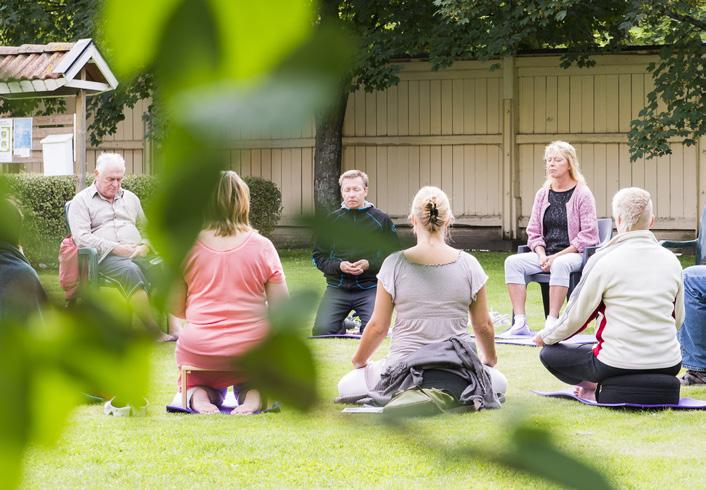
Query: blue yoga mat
[568,394]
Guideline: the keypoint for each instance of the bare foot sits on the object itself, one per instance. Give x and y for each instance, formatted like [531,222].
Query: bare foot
[202,403]
[250,405]
[586,390]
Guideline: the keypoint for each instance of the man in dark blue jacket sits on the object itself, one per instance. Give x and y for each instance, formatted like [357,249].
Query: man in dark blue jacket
[351,261]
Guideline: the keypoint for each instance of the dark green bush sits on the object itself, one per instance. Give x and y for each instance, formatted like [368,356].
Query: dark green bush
[265,204]
[42,201]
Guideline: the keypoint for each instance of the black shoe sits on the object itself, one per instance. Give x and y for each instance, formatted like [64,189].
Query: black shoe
[693,378]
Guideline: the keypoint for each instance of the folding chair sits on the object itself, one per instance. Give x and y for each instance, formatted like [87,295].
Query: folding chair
[605,231]
[698,244]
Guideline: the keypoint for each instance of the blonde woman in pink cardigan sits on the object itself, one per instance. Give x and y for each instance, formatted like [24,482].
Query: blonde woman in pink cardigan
[563,223]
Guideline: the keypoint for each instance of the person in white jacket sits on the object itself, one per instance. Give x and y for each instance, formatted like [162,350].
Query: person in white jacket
[633,288]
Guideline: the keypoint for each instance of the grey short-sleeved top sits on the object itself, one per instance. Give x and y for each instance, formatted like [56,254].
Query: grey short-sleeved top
[431,301]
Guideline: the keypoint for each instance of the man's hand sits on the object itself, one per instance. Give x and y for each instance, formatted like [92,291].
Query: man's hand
[353,268]
[140,251]
[362,264]
[539,341]
[123,251]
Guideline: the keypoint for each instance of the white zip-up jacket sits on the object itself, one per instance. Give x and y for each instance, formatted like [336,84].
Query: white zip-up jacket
[633,288]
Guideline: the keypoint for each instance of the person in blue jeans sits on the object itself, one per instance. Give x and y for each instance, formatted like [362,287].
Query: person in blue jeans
[692,335]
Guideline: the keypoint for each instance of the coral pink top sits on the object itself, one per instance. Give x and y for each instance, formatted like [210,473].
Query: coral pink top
[226,304]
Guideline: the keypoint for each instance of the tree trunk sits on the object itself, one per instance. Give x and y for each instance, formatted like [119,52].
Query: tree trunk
[328,152]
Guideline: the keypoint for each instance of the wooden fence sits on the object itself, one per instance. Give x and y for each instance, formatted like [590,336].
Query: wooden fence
[479,134]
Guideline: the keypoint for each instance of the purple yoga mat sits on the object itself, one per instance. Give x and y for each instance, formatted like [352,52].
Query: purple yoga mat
[275,408]
[568,394]
[579,339]
[228,404]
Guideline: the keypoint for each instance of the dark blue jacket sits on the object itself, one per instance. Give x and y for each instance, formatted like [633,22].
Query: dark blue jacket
[369,234]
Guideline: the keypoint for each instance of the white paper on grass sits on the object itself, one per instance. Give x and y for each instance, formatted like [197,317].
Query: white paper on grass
[365,409]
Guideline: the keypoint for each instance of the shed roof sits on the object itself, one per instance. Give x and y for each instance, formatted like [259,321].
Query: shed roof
[54,69]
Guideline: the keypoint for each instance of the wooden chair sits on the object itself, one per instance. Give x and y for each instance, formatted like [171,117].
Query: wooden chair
[266,404]
[605,231]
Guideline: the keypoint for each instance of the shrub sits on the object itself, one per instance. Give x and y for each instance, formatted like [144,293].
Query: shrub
[265,204]
[42,201]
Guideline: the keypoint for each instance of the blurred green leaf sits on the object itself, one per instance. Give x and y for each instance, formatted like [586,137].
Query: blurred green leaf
[329,233]
[133,28]
[303,84]
[53,397]
[536,454]
[294,313]
[190,51]
[256,36]
[282,366]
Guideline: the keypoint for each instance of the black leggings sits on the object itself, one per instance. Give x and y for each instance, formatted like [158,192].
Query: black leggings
[451,383]
[576,363]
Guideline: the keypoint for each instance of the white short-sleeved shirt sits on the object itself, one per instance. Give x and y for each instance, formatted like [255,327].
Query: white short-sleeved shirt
[431,301]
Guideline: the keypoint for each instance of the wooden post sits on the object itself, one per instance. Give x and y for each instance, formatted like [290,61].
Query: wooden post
[701,180]
[510,173]
[81,137]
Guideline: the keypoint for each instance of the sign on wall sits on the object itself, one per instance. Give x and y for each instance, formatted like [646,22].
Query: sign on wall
[5,140]
[22,137]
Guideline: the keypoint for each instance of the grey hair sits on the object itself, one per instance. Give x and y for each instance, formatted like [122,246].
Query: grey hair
[106,160]
[634,207]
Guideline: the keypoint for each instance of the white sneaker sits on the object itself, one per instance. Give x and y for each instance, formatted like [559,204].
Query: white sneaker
[517,330]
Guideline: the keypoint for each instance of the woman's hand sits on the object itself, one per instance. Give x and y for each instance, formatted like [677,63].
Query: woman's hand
[358,364]
[538,341]
[487,361]
[546,264]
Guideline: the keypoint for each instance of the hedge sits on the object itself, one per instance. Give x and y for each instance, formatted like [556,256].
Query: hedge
[42,200]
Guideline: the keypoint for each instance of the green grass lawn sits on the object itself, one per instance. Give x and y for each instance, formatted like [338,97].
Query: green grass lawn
[325,448]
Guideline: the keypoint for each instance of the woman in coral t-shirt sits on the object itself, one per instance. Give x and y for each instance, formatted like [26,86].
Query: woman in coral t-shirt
[231,276]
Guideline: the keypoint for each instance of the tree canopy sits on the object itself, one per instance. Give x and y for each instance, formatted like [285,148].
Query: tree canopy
[46,21]
[676,106]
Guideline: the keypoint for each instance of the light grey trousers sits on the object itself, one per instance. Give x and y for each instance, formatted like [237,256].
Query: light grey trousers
[519,266]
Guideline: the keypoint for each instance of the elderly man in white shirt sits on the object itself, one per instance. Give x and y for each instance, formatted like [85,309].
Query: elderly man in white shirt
[633,288]
[106,217]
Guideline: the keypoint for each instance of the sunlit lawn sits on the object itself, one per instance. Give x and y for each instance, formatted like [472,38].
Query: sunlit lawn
[325,448]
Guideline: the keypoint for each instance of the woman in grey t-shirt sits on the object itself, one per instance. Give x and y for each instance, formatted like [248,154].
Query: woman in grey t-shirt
[432,287]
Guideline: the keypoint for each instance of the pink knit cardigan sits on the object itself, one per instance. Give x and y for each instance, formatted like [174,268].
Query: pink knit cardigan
[580,217]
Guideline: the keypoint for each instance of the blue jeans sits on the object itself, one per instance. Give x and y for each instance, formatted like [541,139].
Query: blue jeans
[692,335]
